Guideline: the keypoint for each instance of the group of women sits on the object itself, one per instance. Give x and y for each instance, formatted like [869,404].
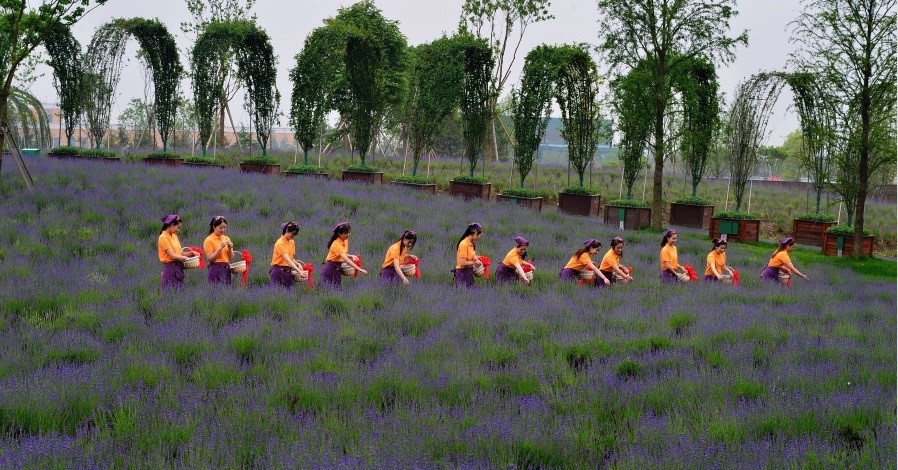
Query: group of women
[219,252]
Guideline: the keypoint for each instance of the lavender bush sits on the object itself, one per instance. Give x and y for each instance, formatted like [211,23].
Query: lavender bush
[100,369]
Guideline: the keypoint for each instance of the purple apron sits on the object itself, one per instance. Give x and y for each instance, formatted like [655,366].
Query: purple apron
[173,275]
[506,275]
[390,275]
[464,277]
[219,273]
[568,274]
[280,276]
[771,274]
[668,277]
[331,273]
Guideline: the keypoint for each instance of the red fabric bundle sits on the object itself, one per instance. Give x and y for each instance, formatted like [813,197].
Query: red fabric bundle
[358,261]
[628,269]
[486,266]
[310,283]
[199,252]
[526,268]
[249,261]
[736,278]
[691,272]
[414,260]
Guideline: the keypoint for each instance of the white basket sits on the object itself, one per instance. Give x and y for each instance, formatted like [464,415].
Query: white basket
[587,275]
[347,270]
[784,278]
[683,277]
[238,267]
[299,276]
[726,278]
[192,262]
[479,270]
[407,269]
[528,275]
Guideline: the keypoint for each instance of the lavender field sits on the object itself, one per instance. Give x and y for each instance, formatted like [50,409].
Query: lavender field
[99,369]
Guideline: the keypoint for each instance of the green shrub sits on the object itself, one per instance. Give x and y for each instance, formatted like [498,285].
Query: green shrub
[693,200]
[305,169]
[581,190]
[202,160]
[469,179]
[414,179]
[628,203]
[843,230]
[735,215]
[164,155]
[363,168]
[65,150]
[259,161]
[817,217]
[97,153]
[519,192]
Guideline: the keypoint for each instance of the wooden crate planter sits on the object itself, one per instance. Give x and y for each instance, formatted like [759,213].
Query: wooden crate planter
[737,230]
[210,165]
[376,177]
[430,188]
[532,203]
[579,204]
[809,232]
[68,156]
[690,215]
[164,161]
[470,190]
[274,169]
[831,244]
[295,174]
[634,218]
[103,159]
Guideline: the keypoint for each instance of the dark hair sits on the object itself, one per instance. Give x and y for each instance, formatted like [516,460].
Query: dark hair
[407,235]
[616,241]
[473,228]
[340,229]
[583,249]
[291,227]
[783,245]
[177,220]
[667,236]
[216,221]
[718,241]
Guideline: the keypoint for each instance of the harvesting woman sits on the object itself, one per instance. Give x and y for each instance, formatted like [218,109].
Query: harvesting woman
[397,255]
[512,267]
[466,256]
[671,271]
[582,261]
[219,251]
[715,264]
[610,265]
[283,257]
[338,254]
[780,267]
[171,254]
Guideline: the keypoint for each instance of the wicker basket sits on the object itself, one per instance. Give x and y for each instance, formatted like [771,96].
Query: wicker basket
[726,278]
[299,276]
[620,279]
[347,270]
[683,277]
[587,275]
[784,277]
[192,262]
[407,269]
[479,271]
[528,275]
[238,267]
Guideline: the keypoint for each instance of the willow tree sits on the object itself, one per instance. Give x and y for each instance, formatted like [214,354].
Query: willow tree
[632,103]
[28,120]
[312,91]
[476,97]
[532,106]
[65,59]
[363,60]
[701,116]
[817,119]
[577,92]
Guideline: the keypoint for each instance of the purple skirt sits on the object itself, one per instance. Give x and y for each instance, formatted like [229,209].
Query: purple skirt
[771,274]
[172,275]
[219,273]
[390,275]
[331,273]
[610,276]
[568,274]
[506,275]
[669,277]
[280,276]
[464,277]
[711,278]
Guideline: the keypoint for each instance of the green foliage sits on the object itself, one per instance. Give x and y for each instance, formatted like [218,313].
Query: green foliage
[305,169]
[363,168]
[629,369]
[64,150]
[633,103]
[816,217]
[414,179]
[312,89]
[476,96]
[698,86]
[627,203]
[532,106]
[845,230]
[735,215]
[97,153]
[577,92]
[581,190]
[164,155]
[470,179]
[520,192]
[693,200]
[66,61]
[366,101]
[202,160]
[259,161]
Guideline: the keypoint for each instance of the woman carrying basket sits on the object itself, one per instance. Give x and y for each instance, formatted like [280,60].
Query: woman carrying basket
[512,267]
[716,263]
[780,267]
[171,254]
[582,261]
[610,265]
[397,254]
[671,271]
[338,253]
[283,257]
[219,251]
[466,259]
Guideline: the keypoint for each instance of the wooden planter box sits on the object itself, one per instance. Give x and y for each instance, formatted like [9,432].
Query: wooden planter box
[273,169]
[212,165]
[100,159]
[809,232]
[737,230]
[634,218]
[164,161]
[831,244]
[70,156]
[532,203]
[294,174]
[427,187]
[470,190]
[364,177]
[689,215]
[578,204]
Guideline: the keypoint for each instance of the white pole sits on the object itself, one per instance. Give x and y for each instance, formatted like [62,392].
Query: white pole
[645,179]
[751,185]
[839,214]
[620,192]
[726,205]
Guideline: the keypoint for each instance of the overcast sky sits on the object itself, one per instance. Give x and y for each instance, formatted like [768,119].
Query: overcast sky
[288,24]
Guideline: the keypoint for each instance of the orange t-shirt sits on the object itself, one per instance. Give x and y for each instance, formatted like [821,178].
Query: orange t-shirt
[283,247]
[465,252]
[780,260]
[610,261]
[396,251]
[212,243]
[338,247]
[168,240]
[579,263]
[719,260]
[669,254]
[512,258]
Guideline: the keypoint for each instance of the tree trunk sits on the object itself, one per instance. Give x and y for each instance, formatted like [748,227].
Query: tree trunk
[657,180]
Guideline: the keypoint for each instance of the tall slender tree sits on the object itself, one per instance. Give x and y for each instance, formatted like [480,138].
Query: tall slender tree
[532,106]
[475,97]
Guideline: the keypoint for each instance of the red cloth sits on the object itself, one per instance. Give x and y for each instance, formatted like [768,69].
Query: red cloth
[736,278]
[414,260]
[628,269]
[526,268]
[199,252]
[691,272]
[249,261]
[486,266]
[310,282]
[358,261]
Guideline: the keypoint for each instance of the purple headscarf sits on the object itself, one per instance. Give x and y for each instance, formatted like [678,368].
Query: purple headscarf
[521,241]
[170,219]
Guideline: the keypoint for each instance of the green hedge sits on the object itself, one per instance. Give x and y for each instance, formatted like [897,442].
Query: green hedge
[817,217]
[413,179]
[628,203]
[97,153]
[581,190]
[65,150]
[735,215]
[164,155]
[259,161]
[470,179]
[520,192]
[305,169]
[202,160]
[363,169]
[843,230]
[693,201]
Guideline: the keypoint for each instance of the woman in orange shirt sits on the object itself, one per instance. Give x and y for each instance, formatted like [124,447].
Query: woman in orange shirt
[338,253]
[716,263]
[170,253]
[611,262]
[283,257]
[512,268]
[581,260]
[219,251]
[466,256]
[671,271]
[781,263]
[396,255]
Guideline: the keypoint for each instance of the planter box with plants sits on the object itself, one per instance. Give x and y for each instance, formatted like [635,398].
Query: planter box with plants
[810,229]
[629,214]
[164,158]
[363,174]
[522,197]
[65,152]
[579,201]
[737,226]
[470,187]
[99,154]
[309,171]
[202,161]
[268,166]
[691,212]
[839,240]
[419,183]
